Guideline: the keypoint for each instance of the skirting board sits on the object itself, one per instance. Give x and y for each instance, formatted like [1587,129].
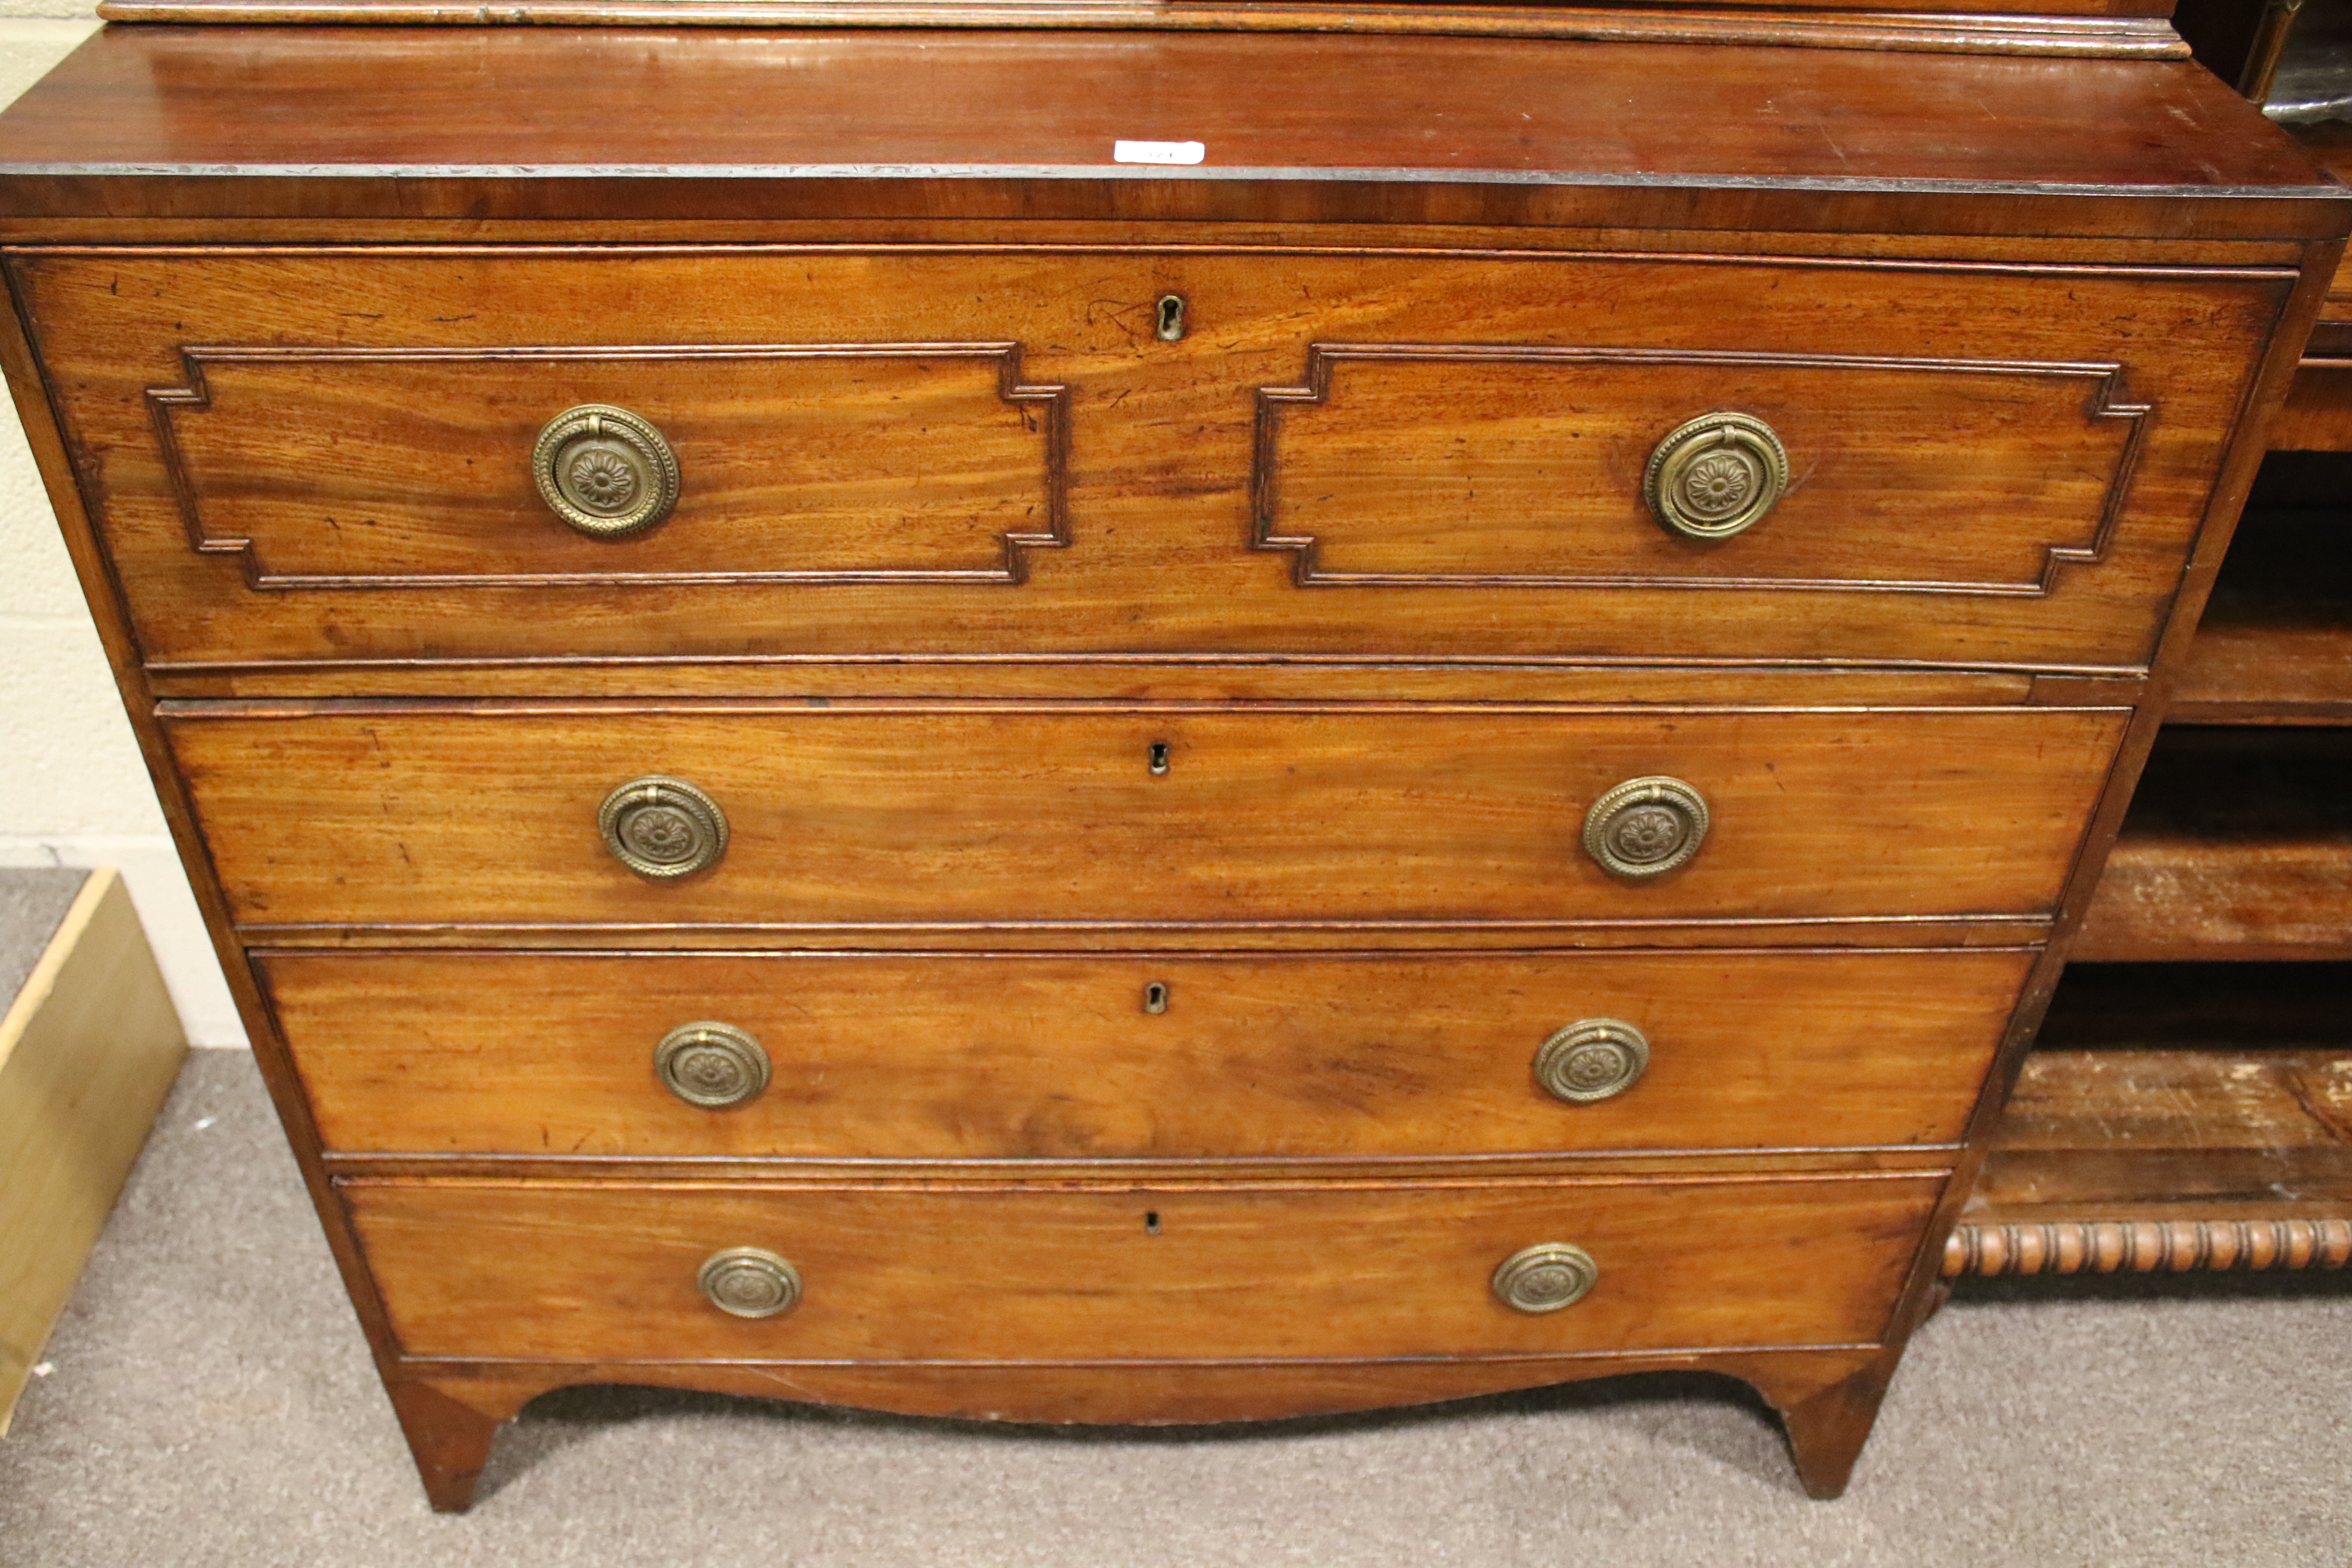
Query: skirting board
[87,1051]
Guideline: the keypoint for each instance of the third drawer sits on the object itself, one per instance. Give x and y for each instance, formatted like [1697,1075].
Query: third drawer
[1139,1056]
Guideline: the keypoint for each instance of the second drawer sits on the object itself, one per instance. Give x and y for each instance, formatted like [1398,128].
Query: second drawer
[930,817]
[1054,1056]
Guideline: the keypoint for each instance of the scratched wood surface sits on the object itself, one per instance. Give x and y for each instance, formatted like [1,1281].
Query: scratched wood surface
[1194,1273]
[2118,1135]
[843,816]
[2176,1117]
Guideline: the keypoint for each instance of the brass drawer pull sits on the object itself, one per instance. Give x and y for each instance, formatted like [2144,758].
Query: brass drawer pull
[604,470]
[749,1282]
[1546,1277]
[1715,475]
[1645,826]
[1591,1059]
[662,827]
[711,1065]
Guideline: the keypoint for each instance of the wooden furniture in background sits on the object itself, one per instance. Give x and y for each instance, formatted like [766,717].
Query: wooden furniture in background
[89,1048]
[1099,864]
[2189,1107]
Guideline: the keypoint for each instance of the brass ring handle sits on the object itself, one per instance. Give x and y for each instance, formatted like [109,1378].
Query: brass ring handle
[1645,826]
[1591,1059]
[1715,475]
[748,1282]
[711,1065]
[1546,1277]
[662,827]
[604,470]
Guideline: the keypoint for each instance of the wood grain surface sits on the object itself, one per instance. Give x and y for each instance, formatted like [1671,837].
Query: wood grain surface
[277,434]
[336,469]
[462,123]
[846,817]
[2275,643]
[2318,414]
[2259,1133]
[451,1411]
[1198,1273]
[2239,846]
[1904,472]
[1056,1058]
[1143,1394]
[1959,438]
[2090,29]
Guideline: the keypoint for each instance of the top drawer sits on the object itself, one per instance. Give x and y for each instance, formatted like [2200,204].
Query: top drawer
[340,456]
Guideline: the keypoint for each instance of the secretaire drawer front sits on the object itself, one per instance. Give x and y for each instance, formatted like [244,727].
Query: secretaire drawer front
[618,1272]
[1167,1056]
[818,815]
[367,458]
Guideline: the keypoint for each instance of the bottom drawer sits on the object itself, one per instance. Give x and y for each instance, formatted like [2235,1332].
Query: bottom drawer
[541,1270]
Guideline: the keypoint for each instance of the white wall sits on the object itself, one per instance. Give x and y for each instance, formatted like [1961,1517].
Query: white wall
[72,789]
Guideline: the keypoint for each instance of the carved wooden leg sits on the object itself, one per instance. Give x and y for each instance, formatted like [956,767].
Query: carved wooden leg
[449,1427]
[1828,1428]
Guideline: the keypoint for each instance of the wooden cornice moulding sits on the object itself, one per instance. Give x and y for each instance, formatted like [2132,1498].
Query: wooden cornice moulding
[2147,1247]
[2083,31]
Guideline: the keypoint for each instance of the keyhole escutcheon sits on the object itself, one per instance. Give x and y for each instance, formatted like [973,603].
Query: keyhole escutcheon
[1169,319]
[1159,756]
[1155,997]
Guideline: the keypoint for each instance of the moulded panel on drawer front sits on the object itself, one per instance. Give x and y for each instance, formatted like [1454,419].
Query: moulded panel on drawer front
[1527,468]
[917,817]
[327,468]
[938,453]
[554,1271]
[1133,1056]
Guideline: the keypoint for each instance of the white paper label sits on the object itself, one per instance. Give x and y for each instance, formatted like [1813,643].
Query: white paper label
[1158,152]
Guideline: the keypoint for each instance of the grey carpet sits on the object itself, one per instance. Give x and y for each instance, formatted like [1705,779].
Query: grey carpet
[211,1402]
[32,900]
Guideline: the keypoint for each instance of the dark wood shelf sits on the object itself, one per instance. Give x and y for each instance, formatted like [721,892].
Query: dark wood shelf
[2275,645]
[2179,1118]
[2238,846]
[2266,673]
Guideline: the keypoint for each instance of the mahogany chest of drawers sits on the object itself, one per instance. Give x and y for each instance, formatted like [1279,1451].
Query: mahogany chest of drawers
[839,745]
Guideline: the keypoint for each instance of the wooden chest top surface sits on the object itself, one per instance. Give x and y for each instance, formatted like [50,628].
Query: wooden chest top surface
[328,123]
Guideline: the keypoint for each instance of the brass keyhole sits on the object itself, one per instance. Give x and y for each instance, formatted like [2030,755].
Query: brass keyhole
[1158,759]
[1151,1223]
[1170,322]
[1155,997]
